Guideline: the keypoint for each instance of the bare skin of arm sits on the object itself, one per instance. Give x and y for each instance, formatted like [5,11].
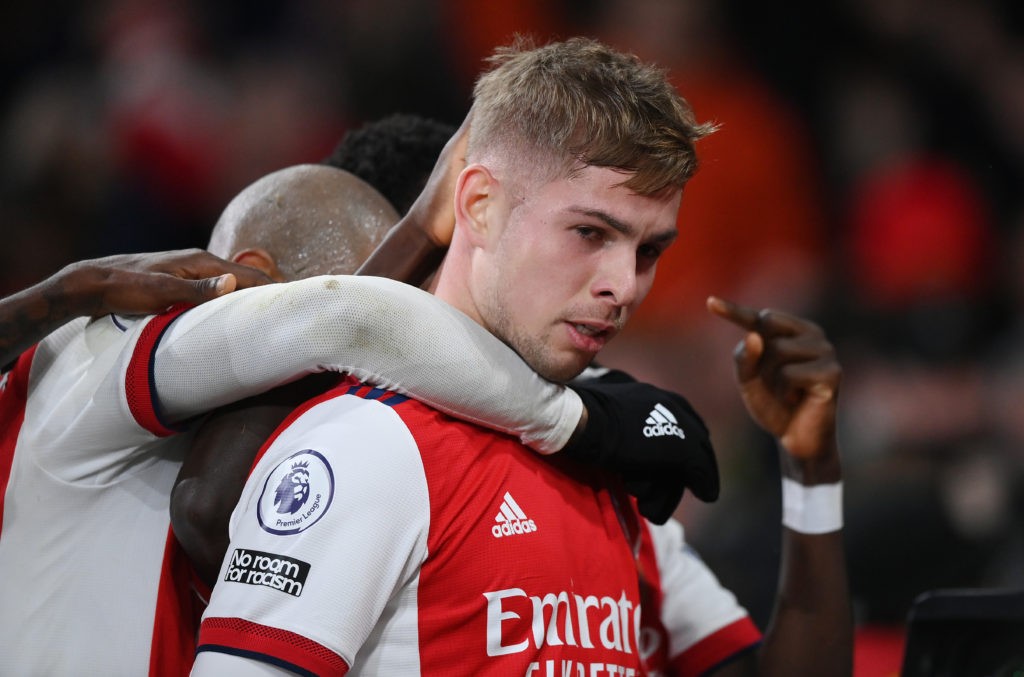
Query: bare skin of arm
[214,472]
[414,248]
[126,284]
[789,377]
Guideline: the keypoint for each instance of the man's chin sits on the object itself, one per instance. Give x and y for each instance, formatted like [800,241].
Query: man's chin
[559,365]
[562,372]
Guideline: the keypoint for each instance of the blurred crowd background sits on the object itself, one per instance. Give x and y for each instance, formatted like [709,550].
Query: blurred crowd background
[867,173]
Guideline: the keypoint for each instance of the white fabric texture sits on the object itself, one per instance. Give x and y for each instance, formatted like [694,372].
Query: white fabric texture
[695,605]
[383,332]
[85,516]
[379,508]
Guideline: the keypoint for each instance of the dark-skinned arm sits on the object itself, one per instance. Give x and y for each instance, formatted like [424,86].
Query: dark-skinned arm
[127,284]
[789,378]
[214,472]
[413,249]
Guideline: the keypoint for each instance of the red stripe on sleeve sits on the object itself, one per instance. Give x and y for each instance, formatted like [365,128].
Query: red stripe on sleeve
[139,388]
[176,620]
[718,647]
[12,415]
[262,642]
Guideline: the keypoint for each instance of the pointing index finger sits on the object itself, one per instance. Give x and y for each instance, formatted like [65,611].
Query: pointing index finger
[742,316]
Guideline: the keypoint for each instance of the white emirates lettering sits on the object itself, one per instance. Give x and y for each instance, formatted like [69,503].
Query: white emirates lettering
[567,668]
[575,620]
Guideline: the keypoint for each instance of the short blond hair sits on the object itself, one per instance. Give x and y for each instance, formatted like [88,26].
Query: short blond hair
[580,101]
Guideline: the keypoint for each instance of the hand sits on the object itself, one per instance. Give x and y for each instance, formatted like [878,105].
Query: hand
[434,209]
[788,376]
[656,459]
[414,248]
[135,284]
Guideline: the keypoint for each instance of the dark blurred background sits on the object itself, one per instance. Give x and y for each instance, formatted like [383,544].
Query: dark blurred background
[867,173]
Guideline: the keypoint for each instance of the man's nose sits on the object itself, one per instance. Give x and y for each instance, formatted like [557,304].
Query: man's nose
[616,279]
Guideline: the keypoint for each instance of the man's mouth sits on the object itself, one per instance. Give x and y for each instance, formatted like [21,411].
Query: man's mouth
[589,330]
[591,336]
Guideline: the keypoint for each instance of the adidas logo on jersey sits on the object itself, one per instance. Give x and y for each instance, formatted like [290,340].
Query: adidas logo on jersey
[661,422]
[511,520]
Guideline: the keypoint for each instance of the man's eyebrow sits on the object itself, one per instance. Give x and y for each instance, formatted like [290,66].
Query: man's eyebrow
[622,226]
[612,222]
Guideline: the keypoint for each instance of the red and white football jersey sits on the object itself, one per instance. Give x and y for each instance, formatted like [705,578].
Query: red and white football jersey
[92,581]
[378,536]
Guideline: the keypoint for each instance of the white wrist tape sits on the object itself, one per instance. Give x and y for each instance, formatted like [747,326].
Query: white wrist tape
[816,509]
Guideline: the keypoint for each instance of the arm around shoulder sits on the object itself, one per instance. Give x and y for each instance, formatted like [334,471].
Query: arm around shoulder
[126,284]
[381,331]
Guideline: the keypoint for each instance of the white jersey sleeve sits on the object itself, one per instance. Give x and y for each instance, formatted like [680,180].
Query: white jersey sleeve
[695,606]
[326,540]
[87,413]
[381,331]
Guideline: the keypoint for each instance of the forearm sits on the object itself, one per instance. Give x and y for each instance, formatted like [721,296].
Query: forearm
[29,315]
[811,629]
[789,377]
[128,284]
[414,248]
[407,254]
[811,632]
[387,333]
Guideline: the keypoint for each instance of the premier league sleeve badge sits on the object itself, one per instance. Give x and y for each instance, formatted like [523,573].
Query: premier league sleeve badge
[296,494]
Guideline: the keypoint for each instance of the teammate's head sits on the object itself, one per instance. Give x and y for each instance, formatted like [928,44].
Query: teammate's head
[576,162]
[303,221]
[395,155]
[548,109]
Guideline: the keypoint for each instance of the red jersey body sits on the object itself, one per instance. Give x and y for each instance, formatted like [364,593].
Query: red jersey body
[379,536]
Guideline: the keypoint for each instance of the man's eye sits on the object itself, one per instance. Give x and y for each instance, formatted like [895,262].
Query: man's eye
[588,232]
[650,252]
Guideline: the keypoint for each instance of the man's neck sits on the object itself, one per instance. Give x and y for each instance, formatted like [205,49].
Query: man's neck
[451,283]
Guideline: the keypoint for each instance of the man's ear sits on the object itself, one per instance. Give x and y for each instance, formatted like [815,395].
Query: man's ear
[260,259]
[476,194]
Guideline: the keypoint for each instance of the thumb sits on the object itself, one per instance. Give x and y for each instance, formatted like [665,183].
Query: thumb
[212,287]
[168,290]
[747,355]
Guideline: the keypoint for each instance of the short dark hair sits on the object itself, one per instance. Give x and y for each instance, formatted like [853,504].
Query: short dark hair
[395,155]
